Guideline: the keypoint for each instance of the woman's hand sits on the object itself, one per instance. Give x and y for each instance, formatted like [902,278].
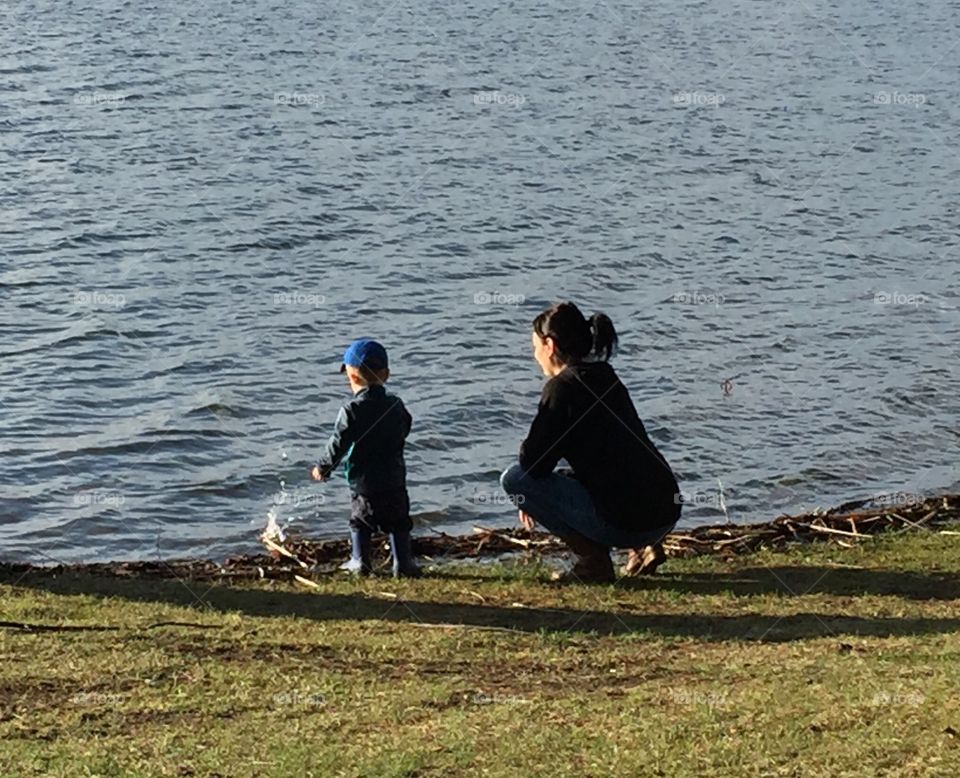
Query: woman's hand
[526,520]
[316,473]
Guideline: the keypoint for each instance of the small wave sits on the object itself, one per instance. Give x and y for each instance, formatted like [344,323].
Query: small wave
[213,432]
[280,244]
[427,518]
[91,238]
[218,488]
[450,249]
[70,336]
[810,475]
[216,408]
[23,69]
[171,441]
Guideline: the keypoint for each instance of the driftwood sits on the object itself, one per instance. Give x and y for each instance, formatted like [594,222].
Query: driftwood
[848,524]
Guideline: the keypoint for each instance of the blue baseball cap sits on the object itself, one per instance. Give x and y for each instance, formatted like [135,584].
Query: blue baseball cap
[365,352]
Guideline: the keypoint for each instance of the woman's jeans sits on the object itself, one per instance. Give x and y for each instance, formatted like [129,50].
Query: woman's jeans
[562,505]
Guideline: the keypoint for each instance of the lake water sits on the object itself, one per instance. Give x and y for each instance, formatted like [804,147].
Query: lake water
[202,205]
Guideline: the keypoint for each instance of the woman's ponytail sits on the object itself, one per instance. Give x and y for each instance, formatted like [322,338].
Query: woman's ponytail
[604,336]
[576,338]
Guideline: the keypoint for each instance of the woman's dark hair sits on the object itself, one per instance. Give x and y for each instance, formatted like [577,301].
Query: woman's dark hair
[577,338]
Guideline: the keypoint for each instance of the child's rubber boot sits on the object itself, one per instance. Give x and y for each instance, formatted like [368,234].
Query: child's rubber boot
[404,565]
[360,552]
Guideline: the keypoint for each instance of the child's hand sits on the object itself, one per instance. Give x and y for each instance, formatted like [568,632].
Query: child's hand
[316,473]
[527,521]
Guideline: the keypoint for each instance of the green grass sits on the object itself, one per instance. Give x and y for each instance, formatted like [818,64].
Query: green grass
[817,661]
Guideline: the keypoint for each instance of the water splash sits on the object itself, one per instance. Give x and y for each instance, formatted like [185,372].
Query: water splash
[275,520]
[273,531]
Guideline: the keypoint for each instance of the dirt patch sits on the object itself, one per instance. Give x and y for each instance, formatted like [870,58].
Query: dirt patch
[26,694]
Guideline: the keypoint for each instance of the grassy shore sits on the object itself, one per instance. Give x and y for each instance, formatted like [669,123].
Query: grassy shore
[820,660]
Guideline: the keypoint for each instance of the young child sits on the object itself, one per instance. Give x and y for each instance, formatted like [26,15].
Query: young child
[368,437]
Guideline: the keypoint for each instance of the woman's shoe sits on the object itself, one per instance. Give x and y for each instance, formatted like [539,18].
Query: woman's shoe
[645,561]
[588,570]
[593,563]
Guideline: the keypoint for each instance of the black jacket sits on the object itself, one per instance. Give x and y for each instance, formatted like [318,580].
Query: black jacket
[586,416]
[369,436]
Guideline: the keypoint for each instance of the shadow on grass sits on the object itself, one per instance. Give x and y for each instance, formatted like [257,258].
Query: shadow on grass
[323,606]
[787,580]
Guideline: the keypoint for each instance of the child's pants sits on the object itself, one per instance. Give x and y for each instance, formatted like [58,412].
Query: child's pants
[384,512]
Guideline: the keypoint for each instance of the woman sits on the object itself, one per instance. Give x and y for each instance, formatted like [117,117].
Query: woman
[620,491]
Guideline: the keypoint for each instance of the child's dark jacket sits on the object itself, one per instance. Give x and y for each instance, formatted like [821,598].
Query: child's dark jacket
[369,437]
